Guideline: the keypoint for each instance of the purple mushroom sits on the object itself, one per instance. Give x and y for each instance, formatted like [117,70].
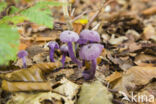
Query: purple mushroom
[52,45]
[64,49]
[70,37]
[22,54]
[89,36]
[90,52]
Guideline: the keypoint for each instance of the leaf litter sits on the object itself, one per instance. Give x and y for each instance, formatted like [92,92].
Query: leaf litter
[127,30]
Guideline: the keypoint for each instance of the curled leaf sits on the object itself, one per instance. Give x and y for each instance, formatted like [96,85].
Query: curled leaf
[35,73]
[26,86]
[24,75]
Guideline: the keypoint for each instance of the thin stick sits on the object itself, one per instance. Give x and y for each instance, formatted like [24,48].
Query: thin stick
[79,16]
[98,12]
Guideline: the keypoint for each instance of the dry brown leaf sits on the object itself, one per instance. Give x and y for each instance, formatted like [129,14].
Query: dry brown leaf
[39,98]
[47,67]
[63,72]
[117,41]
[77,27]
[134,47]
[149,33]
[44,39]
[36,28]
[149,91]
[24,75]
[134,77]
[35,73]
[26,86]
[114,76]
[144,59]
[67,88]
[149,11]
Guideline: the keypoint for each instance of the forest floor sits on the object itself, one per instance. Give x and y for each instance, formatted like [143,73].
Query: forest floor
[126,69]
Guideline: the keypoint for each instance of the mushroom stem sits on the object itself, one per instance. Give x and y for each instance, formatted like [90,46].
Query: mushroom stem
[89,74]
[63,58]
[72,55]
[24,62]
[52,55]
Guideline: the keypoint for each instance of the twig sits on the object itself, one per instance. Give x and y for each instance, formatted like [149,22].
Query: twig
[79,16]
[97,13]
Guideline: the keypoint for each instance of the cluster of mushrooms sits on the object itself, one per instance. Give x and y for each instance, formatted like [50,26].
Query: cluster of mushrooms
[86,45]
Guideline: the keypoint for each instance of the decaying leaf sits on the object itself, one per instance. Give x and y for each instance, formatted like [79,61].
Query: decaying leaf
[144,59]
[149,33]
[31,74]
[39,98]
[24,75]
[26,86]
[149,90]
[117,41]
[63,72]
[94,93]
[47,67]
[116,75]
[63,92]
[67,88]
[135,76]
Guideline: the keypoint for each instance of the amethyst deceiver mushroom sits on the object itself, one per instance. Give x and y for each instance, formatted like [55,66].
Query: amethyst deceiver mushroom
[64,50]
[90,52]
[89,36]
[52,46]
[70,37]
[22,54]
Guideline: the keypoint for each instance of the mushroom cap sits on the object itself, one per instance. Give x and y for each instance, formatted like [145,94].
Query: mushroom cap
[22,54]
[53,44]
[90,51]
[64,48]
[69,36]
[90,35]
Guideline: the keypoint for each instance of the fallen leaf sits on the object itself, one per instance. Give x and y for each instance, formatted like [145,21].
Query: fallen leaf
[39,98]
[117,41]
[144,59]
[134,77]
[24,75]
[26,86]
[149,11]
[149,33]
[114,76]
[35,73]
[94,93]
[67,88]
[63,72]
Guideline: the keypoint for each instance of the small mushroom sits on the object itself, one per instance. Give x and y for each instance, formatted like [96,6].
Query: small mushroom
[90,52]
[64,49]
[89,36]
[52,45]
[22,54]
[70,37]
